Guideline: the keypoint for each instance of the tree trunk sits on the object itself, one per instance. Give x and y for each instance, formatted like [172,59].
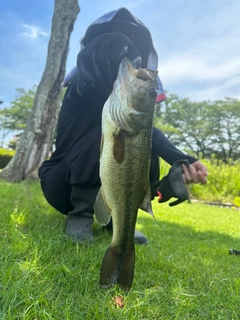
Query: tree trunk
[37,137]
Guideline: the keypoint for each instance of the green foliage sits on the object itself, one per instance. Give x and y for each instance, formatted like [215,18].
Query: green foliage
[5,157]
[164,168]
[204,127]
[6,151]
[223,119]
[187,121]
[16,116]
[184,273]
[223,182]
[12,144]
[237,201]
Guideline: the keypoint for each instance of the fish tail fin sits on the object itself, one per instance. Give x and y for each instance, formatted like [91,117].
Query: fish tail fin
[117,268]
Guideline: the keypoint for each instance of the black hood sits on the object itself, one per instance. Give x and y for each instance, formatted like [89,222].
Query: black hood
[122,20]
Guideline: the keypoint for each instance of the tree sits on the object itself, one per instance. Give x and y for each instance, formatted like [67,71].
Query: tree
[38,134]
[3,130]
[18,113]
[184,124]
[160,122]
[204,127]
[224,120]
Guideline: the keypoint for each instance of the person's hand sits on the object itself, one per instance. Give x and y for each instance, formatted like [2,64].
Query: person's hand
[196,173]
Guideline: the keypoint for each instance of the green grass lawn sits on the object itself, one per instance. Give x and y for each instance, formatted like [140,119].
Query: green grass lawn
[184,273]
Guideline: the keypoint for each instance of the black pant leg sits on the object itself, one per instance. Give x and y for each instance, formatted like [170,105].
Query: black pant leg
[80,166]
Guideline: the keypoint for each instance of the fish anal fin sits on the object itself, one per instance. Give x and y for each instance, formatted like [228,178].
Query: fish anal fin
[101,209]
[146,204]
[117,268]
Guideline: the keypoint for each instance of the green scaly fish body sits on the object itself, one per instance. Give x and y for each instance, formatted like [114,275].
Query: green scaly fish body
[124,168]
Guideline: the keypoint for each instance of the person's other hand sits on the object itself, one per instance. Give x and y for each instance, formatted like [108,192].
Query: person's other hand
[196,173]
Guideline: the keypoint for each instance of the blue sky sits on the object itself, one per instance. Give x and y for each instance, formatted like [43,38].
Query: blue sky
[198,43]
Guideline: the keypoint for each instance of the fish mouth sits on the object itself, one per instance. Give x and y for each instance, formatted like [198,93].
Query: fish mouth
[148,75]
[143,74]
[142,78]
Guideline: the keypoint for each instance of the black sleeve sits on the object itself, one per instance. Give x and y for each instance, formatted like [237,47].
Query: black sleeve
[98,62]
[166,150]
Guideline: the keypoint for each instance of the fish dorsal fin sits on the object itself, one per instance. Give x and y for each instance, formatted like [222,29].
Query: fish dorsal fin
[101,209]
[146,204]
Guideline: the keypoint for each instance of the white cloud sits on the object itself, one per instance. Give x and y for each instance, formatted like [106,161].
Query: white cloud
[217,92]
[33,31]
[188,67]
[200,77]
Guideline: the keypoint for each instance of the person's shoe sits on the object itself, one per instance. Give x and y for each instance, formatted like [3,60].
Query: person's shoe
[80,218]
[139,237]
[79,228]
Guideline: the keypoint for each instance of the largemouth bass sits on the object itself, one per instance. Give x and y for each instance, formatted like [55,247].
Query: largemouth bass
[124,168]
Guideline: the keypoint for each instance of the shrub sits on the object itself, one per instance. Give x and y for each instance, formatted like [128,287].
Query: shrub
[223,181]
[5,157]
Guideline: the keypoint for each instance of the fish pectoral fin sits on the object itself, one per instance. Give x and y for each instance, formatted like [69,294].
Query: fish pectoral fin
[101,209]
[117,268]
[146,204]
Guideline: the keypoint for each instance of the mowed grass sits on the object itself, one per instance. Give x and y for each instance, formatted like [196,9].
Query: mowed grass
[185,272]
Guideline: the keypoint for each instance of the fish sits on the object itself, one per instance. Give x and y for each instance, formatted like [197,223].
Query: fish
[125,155]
